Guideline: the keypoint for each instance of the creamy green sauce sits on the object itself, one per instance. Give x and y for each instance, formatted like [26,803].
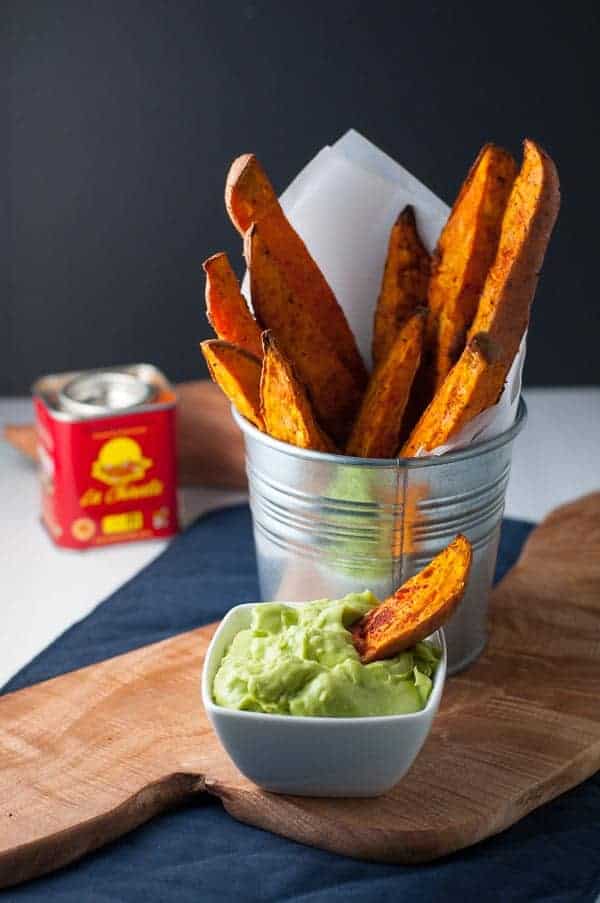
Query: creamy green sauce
[301,661]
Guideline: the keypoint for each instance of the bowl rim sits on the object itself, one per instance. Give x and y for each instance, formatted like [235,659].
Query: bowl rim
[469,451]
[439,680]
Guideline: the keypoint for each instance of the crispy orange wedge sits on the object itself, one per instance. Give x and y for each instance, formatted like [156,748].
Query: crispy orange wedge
[250,198]
[332,389]
[248,192]
[403,285]
[476,380]
[237,372]
[376,430]
[226,307]
[465,252]
[285,406]
[418,608]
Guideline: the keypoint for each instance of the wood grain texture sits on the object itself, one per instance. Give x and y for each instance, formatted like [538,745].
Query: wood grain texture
[89,755]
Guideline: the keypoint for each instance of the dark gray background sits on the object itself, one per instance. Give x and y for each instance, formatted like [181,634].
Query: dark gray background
[125,115]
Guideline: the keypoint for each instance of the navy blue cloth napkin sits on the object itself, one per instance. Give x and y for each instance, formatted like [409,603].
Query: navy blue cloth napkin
[199,853]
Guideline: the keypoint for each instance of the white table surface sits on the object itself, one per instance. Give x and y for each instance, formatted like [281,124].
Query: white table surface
[43,589]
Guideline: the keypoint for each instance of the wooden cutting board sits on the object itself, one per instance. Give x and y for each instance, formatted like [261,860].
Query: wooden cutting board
[90,755]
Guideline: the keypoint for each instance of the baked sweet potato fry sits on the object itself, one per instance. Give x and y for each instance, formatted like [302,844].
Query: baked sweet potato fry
[333,390]
[248,192]
[285,406]
[226,307]
[237,372]
[473,385]
[418,608]
[404,283]
[376,431]
[464,254]
[505,304]
[250,198]
[476,381]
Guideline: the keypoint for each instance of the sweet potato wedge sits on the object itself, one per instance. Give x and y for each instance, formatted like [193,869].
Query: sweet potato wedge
[473,385]
[248,192]
[285,406]
[333,390]
[376,431]
[476,380]
[505,304]
[237,372]
[226,307]
[418,608]
[249,198]
[404,283]
[464,254]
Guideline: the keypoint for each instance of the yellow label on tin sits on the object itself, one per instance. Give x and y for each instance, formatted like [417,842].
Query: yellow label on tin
[120,461]
[122,523]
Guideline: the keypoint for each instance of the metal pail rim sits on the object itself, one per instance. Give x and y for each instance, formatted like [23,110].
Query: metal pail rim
[470,451]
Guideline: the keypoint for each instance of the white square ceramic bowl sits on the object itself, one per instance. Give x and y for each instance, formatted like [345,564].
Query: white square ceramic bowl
[305,756]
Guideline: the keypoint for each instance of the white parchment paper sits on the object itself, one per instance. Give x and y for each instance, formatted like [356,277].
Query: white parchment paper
[343,204]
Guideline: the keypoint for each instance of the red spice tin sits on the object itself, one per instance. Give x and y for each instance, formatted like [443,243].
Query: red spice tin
[106,445]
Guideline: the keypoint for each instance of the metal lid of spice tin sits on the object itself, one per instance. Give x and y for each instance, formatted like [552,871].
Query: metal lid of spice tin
[101,392]
[122,389]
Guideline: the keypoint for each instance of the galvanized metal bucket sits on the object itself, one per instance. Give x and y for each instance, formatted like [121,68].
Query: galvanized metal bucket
[326,525]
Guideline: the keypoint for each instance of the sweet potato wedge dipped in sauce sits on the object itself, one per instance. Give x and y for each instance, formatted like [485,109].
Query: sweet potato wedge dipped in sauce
[404,284]
[418,608]
[237,372]
[226,308]
[376,431]
[477,379]
[250,198]
[285,408]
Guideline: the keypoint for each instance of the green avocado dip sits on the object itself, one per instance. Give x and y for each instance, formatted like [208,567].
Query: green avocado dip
[301,661]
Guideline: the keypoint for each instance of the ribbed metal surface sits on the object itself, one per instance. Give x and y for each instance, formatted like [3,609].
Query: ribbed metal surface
[327,525]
